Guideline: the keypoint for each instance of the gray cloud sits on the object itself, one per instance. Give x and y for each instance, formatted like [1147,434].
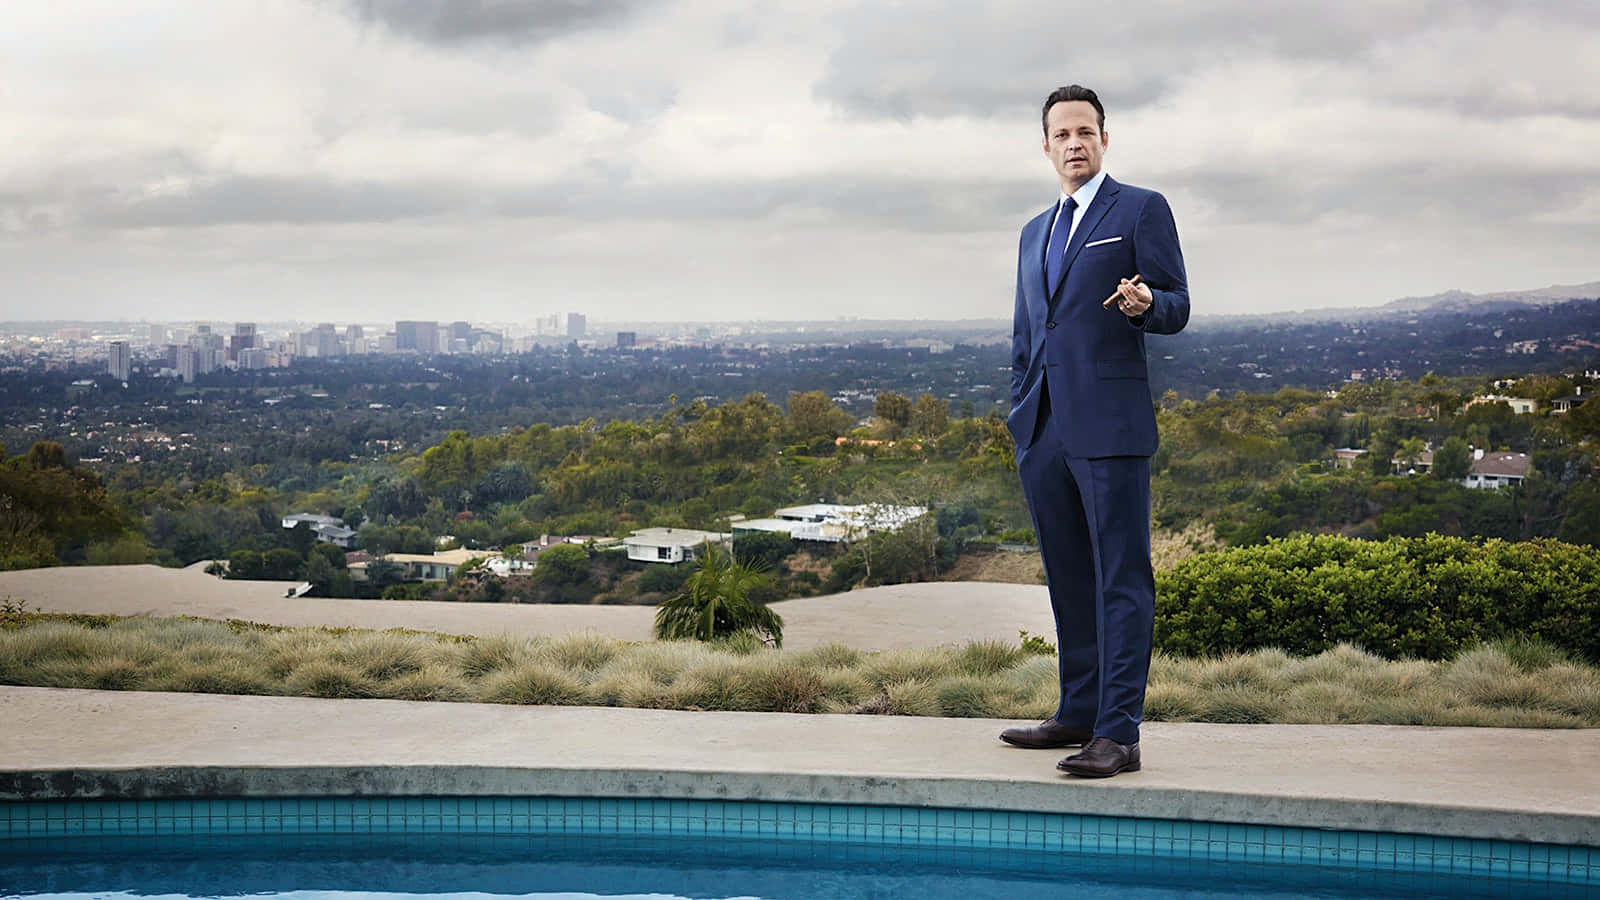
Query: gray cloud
[877,157]
[499,21]
[991,60]
[243,199]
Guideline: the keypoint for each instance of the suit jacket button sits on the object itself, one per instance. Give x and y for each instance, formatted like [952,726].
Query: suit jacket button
[1049,324]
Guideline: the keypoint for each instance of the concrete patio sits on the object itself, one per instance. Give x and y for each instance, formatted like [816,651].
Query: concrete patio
[1511,784]
[1505,784]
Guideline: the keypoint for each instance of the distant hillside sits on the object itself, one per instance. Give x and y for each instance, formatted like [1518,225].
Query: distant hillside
[1497,338]
[1448,301]
[1461,300]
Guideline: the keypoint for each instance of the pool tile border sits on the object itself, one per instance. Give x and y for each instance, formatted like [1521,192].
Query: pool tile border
[60,823]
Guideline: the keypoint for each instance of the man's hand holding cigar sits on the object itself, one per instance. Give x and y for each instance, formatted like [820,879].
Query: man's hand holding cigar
[1132,297]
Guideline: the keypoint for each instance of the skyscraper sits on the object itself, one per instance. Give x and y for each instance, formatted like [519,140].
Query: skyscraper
[120,362]
[577,324]
[244,337]
[188,364]
[420,337]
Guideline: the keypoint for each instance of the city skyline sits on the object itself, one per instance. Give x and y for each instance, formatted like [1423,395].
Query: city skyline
[695,161]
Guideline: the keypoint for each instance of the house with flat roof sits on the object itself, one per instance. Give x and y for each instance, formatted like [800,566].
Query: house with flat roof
[328,529]
[1345,457]
[1520,405]
[671,545]
[423,566]
[833,522]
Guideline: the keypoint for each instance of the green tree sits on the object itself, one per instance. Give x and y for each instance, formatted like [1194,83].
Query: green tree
[282,564]
[382,573]
[47,455]
[331,552]
[894,413]
[245,564]
[300,538]
[1380,453]
[764,549]
[320,572]
[1453,460]
[562,565]
[812,415]
[1410,452]
[716,603]
[930,417]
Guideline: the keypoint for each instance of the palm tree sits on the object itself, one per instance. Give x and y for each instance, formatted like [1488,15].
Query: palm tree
[716,602]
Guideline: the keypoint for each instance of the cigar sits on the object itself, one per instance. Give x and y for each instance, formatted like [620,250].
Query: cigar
[1111,300]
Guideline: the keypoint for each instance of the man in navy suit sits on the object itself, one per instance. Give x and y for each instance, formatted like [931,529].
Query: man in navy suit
[1085,428]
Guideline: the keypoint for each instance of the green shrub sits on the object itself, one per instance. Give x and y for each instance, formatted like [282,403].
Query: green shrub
[765,548]
[1425,597]
[660,578]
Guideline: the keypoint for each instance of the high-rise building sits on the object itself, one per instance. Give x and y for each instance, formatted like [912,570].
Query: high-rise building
[158,335]
[577,324]
[353,333]
[626,339]
[120,362]
[244,337]
[188,363]
[421,337]
[321,341]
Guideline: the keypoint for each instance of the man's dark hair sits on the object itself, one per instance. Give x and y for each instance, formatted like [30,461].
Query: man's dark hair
[1071,92]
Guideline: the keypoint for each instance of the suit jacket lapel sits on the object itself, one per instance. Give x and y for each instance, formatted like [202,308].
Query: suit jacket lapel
[1103,200]
[1035,256]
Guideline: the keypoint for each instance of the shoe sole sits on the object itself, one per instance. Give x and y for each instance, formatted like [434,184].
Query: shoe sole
[1082,773]
[1041,746]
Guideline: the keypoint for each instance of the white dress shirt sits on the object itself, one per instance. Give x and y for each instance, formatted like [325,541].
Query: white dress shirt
[1084,196]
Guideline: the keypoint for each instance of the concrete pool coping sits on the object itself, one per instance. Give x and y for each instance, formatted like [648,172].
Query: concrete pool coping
[1538,786]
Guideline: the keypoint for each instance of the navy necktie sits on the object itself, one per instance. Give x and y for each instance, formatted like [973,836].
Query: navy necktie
[1056,255]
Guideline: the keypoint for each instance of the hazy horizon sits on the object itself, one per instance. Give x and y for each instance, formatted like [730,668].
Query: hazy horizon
[658,161]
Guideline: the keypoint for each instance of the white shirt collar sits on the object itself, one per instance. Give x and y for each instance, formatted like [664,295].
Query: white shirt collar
[1085,194]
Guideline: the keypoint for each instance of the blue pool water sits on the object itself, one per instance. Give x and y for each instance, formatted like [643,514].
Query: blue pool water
[571,847]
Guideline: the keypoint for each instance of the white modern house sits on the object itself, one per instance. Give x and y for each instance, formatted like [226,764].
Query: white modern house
[671,545]
[833,522]
[327,528]
[505,568]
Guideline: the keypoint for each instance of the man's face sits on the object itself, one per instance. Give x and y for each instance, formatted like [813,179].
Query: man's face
[1074,142]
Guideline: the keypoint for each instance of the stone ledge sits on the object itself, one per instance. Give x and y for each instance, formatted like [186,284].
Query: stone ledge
[185,782]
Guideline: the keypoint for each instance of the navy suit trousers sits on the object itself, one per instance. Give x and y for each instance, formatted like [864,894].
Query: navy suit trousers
[1092,519]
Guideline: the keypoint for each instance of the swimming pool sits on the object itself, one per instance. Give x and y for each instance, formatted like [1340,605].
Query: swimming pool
[567,846]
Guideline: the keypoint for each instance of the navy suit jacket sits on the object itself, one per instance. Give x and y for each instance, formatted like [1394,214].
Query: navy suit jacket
[1093,358]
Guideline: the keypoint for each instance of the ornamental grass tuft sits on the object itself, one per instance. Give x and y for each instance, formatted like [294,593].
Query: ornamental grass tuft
[1507,683]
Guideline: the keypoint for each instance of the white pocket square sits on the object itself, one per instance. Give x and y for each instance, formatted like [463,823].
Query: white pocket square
[1109,240]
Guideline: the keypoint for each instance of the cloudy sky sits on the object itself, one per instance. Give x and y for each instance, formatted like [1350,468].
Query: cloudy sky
[700,159]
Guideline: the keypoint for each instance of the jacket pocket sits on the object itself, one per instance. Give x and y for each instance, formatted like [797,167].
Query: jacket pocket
[1121,368]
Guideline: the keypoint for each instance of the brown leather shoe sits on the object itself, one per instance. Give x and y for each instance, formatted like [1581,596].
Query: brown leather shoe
[1102,758]
[1045,735]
